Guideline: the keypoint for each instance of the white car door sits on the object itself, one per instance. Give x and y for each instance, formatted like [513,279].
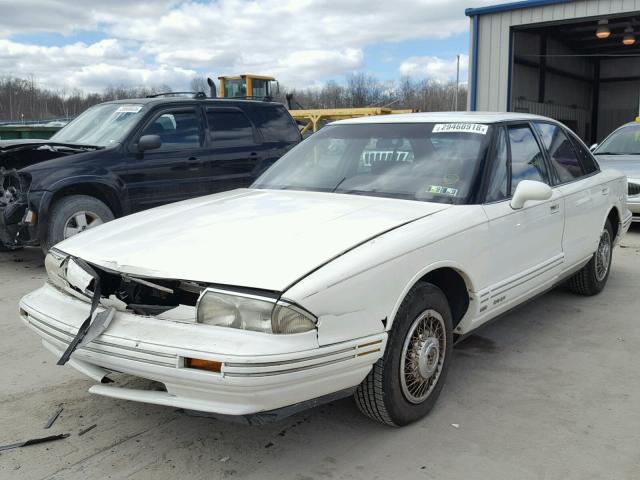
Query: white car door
[585,196]
[525,247]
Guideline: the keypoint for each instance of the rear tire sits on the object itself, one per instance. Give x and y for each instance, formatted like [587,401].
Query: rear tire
[592,278]
[404,384]
[74,214]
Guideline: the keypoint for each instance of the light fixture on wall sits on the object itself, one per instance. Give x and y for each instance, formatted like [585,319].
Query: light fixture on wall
[603,29]
[629,38]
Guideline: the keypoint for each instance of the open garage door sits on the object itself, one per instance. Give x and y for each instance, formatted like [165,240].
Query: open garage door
[564,71]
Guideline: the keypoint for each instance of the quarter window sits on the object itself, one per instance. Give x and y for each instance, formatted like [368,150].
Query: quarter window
[561,152]
[589,165]
[527,162]
[229,126]
[275,124]
[176,130]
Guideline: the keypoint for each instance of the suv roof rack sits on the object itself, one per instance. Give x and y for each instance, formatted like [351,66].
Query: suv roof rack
[247,97]
[173,94]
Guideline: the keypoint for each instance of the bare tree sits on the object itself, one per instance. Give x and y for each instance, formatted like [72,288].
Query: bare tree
[20,97]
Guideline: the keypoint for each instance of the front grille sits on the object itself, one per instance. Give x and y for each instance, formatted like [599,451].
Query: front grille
[634,189]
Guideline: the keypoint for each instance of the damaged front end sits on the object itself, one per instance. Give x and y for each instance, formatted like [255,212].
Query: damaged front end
[16,220]
[18,205]
[163,298]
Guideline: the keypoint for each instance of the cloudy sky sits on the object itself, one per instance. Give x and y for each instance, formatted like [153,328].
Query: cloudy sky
[93,44]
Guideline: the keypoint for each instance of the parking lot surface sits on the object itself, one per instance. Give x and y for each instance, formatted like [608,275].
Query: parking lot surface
[551,391]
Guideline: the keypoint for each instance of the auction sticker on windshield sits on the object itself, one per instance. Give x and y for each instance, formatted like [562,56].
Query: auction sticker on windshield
[460,128]
[129,109]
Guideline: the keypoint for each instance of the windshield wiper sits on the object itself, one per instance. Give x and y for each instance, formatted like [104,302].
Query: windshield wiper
[613,153]
[338,184]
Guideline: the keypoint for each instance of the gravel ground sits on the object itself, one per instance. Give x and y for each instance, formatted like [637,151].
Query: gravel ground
[552,391]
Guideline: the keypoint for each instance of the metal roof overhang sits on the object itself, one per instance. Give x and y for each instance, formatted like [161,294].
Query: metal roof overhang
[505,7]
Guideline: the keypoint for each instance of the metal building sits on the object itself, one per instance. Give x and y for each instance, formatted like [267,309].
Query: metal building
[575,61]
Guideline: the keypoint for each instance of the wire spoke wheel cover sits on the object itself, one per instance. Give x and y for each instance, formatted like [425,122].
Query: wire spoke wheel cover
[81,221]
[603,255]
[423,356]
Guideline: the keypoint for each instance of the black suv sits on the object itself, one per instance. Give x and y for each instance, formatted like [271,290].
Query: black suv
[120,157]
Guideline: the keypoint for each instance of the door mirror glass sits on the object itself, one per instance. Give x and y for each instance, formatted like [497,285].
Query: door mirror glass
[149,142]
[530,190]
[593,147]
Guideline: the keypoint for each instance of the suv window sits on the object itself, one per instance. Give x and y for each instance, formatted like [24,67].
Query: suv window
[176,129]
[229,126]
[527,162]
[561,152]
[275,124]
[499,184]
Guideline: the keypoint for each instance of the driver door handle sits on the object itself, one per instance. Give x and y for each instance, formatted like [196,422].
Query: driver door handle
[193,164]
[555,208]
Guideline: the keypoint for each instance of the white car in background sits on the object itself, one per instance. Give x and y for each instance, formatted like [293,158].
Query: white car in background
[621,150]
[350,267]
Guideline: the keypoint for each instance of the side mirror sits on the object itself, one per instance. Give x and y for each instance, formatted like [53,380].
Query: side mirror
[593,147]
[530,190]
[149,142]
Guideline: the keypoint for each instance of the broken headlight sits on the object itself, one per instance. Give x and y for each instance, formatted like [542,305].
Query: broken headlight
[250,312]
[55,264]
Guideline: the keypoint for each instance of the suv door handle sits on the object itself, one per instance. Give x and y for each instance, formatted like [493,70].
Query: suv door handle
[605,191]
[192,159]
[555,208]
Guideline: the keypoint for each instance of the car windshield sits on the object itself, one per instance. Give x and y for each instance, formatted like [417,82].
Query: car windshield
[102,126]
[625,141]
[433,162]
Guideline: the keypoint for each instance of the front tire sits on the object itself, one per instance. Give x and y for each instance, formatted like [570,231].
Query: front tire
[592,278]
[404,384]
[72,215]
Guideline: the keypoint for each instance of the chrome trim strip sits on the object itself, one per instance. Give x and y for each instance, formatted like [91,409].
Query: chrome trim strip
[291,370]
[552,262]
[526,279]
[102,342]
[102,352]
[289,362]
[39,324]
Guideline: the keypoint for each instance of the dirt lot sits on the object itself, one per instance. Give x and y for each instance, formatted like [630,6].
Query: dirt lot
[550,392]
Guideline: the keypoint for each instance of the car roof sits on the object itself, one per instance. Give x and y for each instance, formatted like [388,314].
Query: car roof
[629,124]
[450,117]
[208,101]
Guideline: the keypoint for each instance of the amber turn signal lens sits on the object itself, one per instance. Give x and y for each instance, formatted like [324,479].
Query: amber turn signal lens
[200,364]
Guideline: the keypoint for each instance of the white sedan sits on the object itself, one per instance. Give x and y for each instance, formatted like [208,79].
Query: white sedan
[349,268]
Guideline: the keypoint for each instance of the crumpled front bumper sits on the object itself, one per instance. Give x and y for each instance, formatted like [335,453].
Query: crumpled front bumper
[260,372]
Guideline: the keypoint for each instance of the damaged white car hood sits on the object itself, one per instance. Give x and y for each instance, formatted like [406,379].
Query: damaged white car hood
[266,239]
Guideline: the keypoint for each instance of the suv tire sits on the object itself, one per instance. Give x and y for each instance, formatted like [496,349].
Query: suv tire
[74,213]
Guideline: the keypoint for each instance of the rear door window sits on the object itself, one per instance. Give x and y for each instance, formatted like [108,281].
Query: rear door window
[275,124]
[229,127]
[561,152]
[527,161]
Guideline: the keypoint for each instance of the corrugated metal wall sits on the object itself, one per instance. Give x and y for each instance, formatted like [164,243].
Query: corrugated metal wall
[494,37]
